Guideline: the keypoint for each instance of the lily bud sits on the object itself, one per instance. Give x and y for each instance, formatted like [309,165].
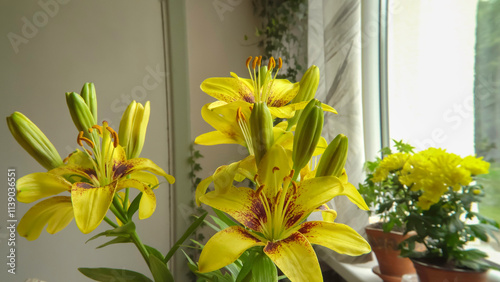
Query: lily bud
[307,134]
[261,130]
[333,160]
[32,139]
[89,96]
[80,112]
[264,75]
[133,125]
[308,87]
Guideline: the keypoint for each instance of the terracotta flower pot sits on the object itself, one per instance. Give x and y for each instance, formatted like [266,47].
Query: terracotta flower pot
[385,247]
[432,273]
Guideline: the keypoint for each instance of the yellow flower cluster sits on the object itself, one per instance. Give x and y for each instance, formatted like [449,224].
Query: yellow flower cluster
[434,170]
[391,163]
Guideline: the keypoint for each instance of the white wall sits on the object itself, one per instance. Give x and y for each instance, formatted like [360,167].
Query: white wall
[114,44]
[216,31]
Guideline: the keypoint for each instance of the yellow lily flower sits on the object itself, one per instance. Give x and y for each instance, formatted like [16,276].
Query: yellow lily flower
[273,217]
[92,178]
[261,87]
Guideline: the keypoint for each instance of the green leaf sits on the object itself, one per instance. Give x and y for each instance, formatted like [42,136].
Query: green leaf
[124,231]
[264,269]
[245,271]
[117,240]
[134,206]
[159,270]
[183,238]
[112,275]
[225,218]
[154,252]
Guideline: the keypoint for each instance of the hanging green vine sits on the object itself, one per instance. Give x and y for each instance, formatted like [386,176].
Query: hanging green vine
[194,250]
[283,33]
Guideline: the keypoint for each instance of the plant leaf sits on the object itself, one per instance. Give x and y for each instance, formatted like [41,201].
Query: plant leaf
[160,270]
[123,231]
[112,274]
[183,238]
[117,240]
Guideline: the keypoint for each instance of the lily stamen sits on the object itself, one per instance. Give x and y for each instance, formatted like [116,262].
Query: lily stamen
[98,127]
[85,139]
[242,123]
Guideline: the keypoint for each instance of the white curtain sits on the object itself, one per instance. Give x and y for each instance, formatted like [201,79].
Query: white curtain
[334,45]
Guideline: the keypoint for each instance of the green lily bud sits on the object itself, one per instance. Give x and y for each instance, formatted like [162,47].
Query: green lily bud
[133,125]
[307,134]
[261,130]
[32,139]
[308,87]
[263,75]
[333,160]
[80,113]
[89,96]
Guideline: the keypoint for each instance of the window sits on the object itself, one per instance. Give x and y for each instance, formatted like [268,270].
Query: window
[444,80]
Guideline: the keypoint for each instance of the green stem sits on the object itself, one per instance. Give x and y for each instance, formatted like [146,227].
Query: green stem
[125,200]
[110,222]
[137,241]
[119,208]
[117,213]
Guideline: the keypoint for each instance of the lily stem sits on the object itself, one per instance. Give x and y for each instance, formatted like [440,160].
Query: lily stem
[110,222]
[140,246]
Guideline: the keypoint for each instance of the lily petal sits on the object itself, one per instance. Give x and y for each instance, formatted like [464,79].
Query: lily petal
[328,214]
[282,91]
[338,237]
[138,164]
[311,194]
[273,168]
[295,257]
[145,177]
[39,185]
[247,167]
[228,89]
[202,187]
[147,205]
[91,204]
[56,212]
[242,203]
[352,193]
[225,247]
[217,138]
[303,104]
[283,112]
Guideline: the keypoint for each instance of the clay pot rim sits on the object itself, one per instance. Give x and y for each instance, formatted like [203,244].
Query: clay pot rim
[420,262]
[371,227]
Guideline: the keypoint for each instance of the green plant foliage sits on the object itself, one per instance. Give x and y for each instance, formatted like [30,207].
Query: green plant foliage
[194,251]
[283,33]
[389,199]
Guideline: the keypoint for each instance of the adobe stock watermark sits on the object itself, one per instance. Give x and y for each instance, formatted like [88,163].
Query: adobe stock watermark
[456,114]
[153,78]
[11,220]
[31,27]
[223,6]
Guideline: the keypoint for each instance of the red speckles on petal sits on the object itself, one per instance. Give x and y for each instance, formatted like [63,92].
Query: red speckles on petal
[84,185]
[255,222]
[306,227]
[120,169]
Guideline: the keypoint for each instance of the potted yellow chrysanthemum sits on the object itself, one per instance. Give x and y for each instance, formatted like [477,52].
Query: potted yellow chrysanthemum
[445,219]
[390,200]
[430,194]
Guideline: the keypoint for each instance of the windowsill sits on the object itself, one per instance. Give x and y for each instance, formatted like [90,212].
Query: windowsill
[363,272]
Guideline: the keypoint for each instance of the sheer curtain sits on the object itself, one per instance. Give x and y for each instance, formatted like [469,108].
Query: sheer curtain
[334,45]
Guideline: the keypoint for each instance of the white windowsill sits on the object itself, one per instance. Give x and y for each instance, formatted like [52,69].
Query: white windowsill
[363,272]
